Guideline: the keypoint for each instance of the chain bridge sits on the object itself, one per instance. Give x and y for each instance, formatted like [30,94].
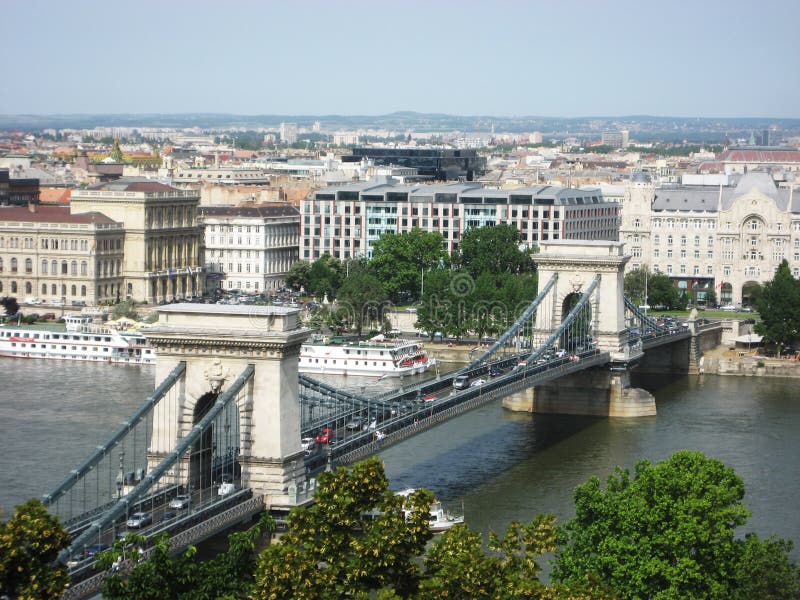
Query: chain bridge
[219,439]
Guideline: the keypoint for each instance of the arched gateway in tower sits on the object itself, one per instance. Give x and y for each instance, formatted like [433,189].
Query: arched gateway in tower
[256,441]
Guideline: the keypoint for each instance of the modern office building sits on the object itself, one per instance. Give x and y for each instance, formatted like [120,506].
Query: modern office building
[163,241]
[615,139]
[288,133]
[439,164]
[713,237]
[345,221]
[250,248]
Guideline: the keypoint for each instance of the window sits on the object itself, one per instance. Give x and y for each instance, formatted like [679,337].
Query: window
[64,267]
[13,265]
[28,265]
[669,240]
[656,239]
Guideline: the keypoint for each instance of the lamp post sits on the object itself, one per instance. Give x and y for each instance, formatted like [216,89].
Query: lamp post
[120,476]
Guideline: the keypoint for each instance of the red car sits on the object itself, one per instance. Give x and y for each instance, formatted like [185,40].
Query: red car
[323,436]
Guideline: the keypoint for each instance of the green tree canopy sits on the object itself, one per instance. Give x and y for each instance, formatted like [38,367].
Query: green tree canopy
[779,307]
[325,276]
[661,291]
[333,549]
[634,284]
[665,532]
[363,297]
[299,275]
[492,249]
[30,542]
[398,260]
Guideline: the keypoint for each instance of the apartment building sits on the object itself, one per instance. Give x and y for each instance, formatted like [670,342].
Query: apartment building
[345,221]
[250,248]
[721,237]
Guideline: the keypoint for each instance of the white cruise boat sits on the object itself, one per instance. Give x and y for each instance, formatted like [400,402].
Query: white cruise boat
[80,341]
[377,357]
[440,519]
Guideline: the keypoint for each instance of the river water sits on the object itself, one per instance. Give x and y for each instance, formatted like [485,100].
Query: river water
[498,465]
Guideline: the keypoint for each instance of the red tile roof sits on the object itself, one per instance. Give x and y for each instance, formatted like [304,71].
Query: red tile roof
[53,195]
[763,156]
[51,214]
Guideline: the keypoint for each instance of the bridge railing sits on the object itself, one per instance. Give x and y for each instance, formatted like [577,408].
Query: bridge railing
[105,525]
[104,450]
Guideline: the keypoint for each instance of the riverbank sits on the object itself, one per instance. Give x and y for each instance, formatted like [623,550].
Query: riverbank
[724,361]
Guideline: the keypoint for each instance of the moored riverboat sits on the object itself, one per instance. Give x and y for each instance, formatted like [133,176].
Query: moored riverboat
[78,341]
[376,357]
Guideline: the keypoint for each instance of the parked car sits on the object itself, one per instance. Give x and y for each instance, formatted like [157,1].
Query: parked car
[461,382]
[180,502]
[48,317]
[78,303]
[139,519]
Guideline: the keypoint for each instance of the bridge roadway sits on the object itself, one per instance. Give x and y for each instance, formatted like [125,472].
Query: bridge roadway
[413,410]
[401,414]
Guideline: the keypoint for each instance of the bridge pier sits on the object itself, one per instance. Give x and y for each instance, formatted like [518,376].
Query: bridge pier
[596,392]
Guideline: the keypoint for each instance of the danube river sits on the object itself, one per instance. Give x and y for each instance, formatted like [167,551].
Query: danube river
[498,465]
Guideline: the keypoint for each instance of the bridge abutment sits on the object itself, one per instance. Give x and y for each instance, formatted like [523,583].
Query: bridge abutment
[595,392]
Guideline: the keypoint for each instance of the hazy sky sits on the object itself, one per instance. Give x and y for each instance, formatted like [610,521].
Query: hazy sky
[705,58]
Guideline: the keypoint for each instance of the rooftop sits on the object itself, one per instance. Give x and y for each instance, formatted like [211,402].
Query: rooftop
[51,214]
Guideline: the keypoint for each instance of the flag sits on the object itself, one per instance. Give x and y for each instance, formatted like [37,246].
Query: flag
[382,377]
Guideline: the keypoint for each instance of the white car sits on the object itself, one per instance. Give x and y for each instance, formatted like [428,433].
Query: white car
[307,443]
[477,383]
[139,520]
[180,502]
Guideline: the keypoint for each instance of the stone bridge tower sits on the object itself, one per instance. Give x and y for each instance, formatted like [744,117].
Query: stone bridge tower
[217,343]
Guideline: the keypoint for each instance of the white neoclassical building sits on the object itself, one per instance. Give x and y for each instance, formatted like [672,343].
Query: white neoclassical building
[250,248]
[722,238]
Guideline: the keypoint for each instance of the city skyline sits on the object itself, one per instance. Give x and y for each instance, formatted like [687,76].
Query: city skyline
[710,59]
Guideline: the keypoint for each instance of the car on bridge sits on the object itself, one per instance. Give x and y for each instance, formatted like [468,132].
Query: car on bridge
[495,371]
[354,423]
[323,436]
[181,501]
[139,519]
[477,383]
[461,382]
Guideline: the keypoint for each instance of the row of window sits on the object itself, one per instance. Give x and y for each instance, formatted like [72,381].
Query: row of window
[106,268]
[74,245]
[711,224]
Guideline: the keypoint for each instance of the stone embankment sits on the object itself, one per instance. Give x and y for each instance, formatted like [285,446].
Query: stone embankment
[724,361]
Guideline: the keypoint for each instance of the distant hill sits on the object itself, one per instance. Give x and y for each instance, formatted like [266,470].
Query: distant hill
[708,130]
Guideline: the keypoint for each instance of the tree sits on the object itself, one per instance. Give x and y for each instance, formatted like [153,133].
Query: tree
[492,249]
[362,295]
[335,549]
[228,575]
[30,542]
[665,532]
[458,567]
[399,260]
[634,285]
[779,307]
[127,309]
[325,276]
[299,275]
[10,305]
[661,291]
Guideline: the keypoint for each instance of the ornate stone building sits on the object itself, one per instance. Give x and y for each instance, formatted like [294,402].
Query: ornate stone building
[721,238]
[48,253]
[163,241]
[251,248]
